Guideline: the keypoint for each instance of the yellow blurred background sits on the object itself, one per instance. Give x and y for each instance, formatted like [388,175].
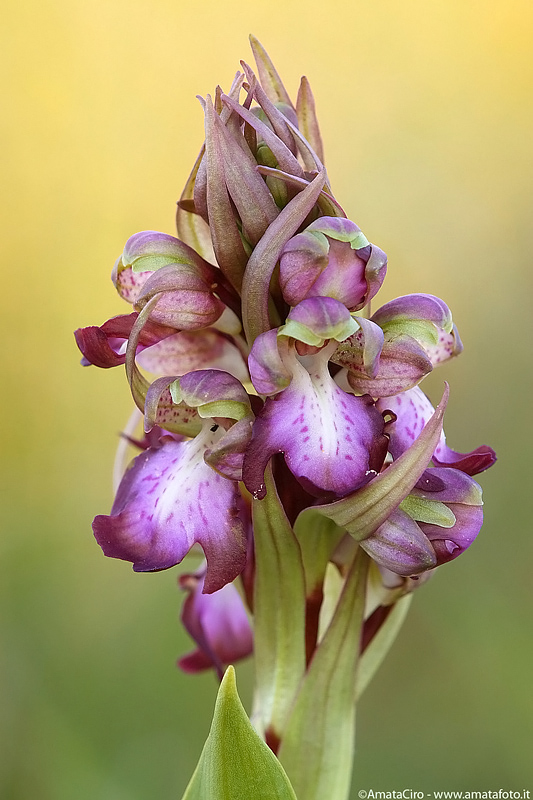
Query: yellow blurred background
[426,114]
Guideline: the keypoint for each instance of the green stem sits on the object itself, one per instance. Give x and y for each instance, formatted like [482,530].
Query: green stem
[317,744]
[279,618]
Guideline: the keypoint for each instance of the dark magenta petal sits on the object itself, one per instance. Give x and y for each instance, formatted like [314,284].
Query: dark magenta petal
[97,349]
[103,346]
[170,499]
[472,463]
[413,409]
[448,485]
[217,622]
[333,442]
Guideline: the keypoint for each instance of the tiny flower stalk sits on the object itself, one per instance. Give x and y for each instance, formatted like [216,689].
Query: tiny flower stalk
[286,437]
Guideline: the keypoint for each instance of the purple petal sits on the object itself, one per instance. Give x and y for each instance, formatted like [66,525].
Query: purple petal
[448,485]
[402,364]
[127,282]
[187,301]
[361,352]
[302,260]
[317,319]
[170,499]
[190,350]
[333,442]
[227,455]
[205,386]
[344,277]
[415,307]
[217,622]
[363,511]
[449,543]
[448,346]
[400,546]
[330,258]
[268,372]
[412,410]
[376,270]
[151,250]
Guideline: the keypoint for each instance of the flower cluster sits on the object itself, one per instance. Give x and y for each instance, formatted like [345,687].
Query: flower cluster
[272,374]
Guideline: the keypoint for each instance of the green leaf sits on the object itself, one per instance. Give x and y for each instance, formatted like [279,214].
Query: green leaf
[235,763]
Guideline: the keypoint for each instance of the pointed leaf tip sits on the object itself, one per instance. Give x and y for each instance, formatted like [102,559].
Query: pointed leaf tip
[236,764]
[268,75]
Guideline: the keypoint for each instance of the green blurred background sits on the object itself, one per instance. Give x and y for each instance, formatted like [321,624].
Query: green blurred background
[426,114]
